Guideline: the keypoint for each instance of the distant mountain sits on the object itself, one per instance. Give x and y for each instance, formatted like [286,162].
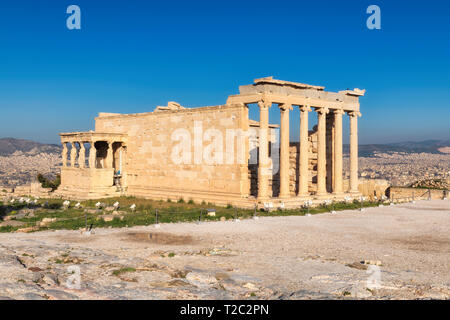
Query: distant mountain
[427,146]
[9,146]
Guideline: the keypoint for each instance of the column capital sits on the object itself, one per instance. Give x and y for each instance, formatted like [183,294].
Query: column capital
[322,110]
[338,111]
[264,103]
[304,108]
[285,106]
[354,114]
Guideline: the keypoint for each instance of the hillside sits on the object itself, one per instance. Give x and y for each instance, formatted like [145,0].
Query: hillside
[9,146]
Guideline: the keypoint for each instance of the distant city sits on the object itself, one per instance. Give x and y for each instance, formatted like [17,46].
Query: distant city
[400,163]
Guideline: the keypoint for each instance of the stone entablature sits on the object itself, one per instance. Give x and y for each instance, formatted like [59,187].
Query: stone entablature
[140,147]
[291,93]
[92,136]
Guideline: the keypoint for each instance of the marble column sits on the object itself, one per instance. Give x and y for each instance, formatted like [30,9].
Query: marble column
[304,152]
[354,151]
[73,154]
[337,181]
[321,151]
[263,163]
[92,156]
[284,151]
[64,155]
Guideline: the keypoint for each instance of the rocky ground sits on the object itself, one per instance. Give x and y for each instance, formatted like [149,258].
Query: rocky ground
[405,250]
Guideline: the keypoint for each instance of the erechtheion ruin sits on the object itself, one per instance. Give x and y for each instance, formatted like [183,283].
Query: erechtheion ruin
[217,154]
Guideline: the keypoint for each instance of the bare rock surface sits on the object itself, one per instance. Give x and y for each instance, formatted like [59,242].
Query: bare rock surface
[392,252]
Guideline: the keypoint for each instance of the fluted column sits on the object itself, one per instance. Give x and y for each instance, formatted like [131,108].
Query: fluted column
[354,151]
[263,163]
[284,151]
[73,154]
[109,155]
[92,156]
[64,155]
[304,152]
[337,179]
[321,151]
[82,156]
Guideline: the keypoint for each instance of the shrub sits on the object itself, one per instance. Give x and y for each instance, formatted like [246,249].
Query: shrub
[46,183]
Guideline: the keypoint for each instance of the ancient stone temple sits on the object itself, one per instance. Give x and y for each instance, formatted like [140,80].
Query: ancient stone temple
[217,154]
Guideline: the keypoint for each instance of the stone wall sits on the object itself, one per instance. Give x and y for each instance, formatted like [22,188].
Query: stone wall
[33,189]
[372,187]
[399,193]
[149,169]
[274,183]
[86,183]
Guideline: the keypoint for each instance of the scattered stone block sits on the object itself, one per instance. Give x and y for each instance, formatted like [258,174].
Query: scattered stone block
[357,265]
[46,221]
[372,262]
[109,217]
[118,213]
[211,212]
[28,229]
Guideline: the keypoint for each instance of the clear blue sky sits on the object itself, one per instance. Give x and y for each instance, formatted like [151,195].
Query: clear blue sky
[132,55]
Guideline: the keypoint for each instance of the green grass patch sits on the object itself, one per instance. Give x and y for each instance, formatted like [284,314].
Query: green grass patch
[145,213]
[8,229]
[120,271]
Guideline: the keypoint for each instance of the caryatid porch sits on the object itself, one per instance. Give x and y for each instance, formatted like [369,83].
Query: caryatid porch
[101,170]
[330,107]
